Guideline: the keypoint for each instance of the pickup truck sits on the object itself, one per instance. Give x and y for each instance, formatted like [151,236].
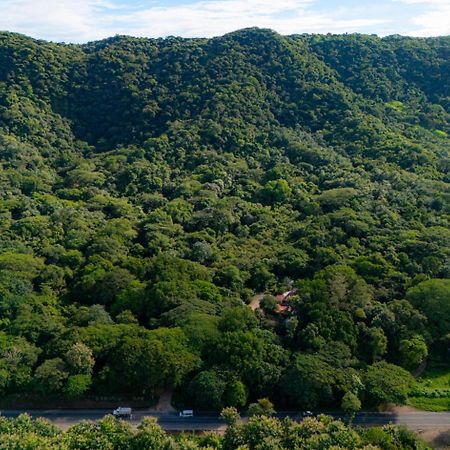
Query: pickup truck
[122,412]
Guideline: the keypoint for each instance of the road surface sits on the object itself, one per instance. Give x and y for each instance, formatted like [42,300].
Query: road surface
[419,420]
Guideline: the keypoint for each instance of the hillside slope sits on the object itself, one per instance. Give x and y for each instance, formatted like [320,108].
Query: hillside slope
[148,188]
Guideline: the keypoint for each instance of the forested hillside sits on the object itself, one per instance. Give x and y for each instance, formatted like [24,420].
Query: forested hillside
[150,188]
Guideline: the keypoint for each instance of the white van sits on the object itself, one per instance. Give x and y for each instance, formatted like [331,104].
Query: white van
[187,413]
[122,412]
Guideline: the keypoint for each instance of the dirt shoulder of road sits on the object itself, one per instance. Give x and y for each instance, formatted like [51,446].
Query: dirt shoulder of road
[399,409]
[437,438]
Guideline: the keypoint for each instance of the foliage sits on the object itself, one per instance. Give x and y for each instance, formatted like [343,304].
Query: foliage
[263,407]
[261,432]
[432,298]
[149,188]
[386,383]
[350,405]
[431,391]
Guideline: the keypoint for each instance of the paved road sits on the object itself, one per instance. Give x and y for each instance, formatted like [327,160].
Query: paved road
[210,421]
[414,420]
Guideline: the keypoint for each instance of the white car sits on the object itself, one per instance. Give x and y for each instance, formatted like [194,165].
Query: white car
[187,413]
[123,412]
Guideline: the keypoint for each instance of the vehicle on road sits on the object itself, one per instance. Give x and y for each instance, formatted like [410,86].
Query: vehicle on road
[187,413]
[122,412]
[307,414]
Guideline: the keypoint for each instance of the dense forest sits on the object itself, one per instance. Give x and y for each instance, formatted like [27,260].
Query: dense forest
[158,195]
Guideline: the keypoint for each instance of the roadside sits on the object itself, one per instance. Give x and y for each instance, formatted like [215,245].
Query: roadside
[403,409]
[418,421]
[64,404]
[431,389]
[439,438]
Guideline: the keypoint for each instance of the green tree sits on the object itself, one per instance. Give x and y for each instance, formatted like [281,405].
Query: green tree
[77,386]
[149,436]
[275,191]
[107,433]
[139,365]
[432,298]
[230,415]
[263,407]
[207,390]
[236,394]
[50,377]
[269,304]
[257,359]
[350,404]
[80,359]
[238,318]
[412,352]
[386,383]
[309,382]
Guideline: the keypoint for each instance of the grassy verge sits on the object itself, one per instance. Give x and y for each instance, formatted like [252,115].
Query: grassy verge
[430,404]
[431,392]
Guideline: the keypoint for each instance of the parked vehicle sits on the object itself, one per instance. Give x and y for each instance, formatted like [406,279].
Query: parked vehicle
[187,413]
[122,412]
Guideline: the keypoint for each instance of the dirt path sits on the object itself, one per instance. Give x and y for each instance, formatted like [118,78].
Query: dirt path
[256,300]
[439,438]
[421,369]
[164,403]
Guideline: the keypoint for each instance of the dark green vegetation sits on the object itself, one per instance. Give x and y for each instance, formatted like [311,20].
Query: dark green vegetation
[149,187]
[260,433]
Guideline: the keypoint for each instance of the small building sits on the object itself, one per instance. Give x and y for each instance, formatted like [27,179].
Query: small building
[284,309]
[284,305]
[285,295]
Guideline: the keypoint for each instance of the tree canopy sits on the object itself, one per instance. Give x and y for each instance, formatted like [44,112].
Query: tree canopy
[260,432]
[150,188]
